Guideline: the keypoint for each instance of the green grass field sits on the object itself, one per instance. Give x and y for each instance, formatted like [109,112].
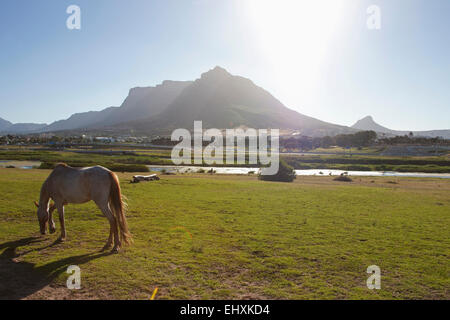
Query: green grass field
[212,237]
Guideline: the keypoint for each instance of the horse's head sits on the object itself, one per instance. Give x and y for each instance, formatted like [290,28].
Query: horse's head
[43,216]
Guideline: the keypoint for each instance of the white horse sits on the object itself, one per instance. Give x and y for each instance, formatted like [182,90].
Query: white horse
[71,185]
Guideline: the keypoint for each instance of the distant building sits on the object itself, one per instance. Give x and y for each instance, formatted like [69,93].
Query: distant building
[105,139]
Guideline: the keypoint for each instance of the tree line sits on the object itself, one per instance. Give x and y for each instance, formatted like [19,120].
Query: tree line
[356,140]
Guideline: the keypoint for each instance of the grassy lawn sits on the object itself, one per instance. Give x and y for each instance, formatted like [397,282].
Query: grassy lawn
[202,236]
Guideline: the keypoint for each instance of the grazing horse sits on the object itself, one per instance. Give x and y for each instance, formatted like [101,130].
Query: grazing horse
[72,185]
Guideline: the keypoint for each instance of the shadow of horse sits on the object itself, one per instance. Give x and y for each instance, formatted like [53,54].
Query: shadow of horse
[19,279]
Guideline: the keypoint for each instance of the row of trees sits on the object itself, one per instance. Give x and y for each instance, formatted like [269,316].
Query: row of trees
[38,139]
[66,140]
[358,139]
[414,140]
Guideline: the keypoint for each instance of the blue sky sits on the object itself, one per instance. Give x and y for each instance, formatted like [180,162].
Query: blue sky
[318,57]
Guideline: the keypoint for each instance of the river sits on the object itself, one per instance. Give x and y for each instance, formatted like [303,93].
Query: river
[308,172]
[245,170]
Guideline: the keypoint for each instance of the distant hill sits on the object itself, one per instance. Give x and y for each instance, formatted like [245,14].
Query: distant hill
[222,100]
[26,127]
[4,124]
[367,123]
[80,120]
[9,127]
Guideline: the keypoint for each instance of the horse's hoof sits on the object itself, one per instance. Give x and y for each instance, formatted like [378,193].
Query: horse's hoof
[115,250]
[52,231]
[61,239]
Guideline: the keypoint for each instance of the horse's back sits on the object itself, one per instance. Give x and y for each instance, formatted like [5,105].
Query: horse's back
[64,172]
[96,172]
[79,185]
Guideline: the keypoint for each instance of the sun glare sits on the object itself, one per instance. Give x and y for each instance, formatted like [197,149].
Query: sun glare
[294,36]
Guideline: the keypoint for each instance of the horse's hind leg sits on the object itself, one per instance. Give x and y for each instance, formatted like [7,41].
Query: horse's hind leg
[113,232]
[110,238]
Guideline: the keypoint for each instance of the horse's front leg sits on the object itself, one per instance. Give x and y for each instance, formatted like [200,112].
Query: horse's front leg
[60,208]
[51,223]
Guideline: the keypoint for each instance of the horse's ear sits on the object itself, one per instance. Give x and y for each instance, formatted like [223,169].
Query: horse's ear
[36,204]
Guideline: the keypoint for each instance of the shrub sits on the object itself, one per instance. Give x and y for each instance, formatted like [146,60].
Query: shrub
[356,168]
[47,165]
[344,178]
[384,168]
[285,174]
[127,167]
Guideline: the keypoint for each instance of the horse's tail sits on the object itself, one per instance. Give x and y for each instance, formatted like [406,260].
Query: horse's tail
[117,206]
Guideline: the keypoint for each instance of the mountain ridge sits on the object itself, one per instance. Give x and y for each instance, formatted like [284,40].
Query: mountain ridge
[222,100]
[4,124]
[218,98]
[18,128]
[135,105]
[368,123]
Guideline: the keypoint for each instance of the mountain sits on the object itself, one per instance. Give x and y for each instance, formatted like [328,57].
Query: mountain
[146,102]
[367,123]
[4,124]
[25,127]
[222,100]
[80,120]
[141,102]
[9,127]
[219,99]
